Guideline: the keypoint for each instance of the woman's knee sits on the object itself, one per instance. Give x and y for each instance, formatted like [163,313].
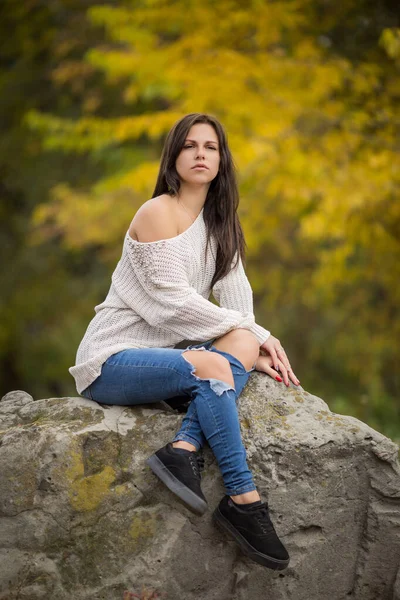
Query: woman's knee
[242,344]
[210,365]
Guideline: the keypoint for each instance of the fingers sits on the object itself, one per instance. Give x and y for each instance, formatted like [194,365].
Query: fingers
[287,374]
[264,364]
[274,357]
[286,369]
[280,361]
[283,358]
[273,346]
[293,377]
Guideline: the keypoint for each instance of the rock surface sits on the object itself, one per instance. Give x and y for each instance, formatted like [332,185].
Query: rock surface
[83,517]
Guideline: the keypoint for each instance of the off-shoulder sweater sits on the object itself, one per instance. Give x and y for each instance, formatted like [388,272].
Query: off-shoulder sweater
[159,297]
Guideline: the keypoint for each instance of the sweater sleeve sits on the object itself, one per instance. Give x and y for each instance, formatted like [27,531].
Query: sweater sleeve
[234,292]
[155,283]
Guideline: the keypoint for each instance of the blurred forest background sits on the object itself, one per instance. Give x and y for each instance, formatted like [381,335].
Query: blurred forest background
[309,93]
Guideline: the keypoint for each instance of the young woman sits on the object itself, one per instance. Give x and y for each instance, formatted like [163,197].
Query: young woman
[183,243]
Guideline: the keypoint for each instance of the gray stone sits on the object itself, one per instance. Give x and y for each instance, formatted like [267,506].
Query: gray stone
[83,517]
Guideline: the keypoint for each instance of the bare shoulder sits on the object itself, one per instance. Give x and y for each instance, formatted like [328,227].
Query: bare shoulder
[155,220]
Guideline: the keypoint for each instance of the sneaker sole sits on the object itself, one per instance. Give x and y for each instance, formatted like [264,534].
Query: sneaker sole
[176,486]
[263,559]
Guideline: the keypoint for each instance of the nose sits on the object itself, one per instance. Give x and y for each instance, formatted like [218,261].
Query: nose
[200,153]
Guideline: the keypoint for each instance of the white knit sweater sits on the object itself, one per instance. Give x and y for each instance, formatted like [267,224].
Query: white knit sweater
[159,297]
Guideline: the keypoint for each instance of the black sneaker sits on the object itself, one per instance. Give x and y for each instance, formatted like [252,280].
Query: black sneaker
[180,471]
[253,531]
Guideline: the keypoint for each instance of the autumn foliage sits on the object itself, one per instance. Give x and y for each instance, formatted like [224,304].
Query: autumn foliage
[308,93]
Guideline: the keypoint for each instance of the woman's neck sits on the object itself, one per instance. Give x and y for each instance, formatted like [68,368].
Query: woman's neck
[193,198]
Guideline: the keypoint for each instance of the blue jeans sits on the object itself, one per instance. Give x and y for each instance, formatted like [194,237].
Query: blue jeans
[147,375]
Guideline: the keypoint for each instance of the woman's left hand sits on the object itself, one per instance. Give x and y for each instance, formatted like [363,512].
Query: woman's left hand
[278,359]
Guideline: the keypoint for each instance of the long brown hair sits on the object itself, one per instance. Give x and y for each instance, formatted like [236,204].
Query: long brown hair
[220,207]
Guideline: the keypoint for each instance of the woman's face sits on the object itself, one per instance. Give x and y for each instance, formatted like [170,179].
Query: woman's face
[201,146]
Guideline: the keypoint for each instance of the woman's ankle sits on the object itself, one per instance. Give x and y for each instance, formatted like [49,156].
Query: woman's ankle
[184,446]
[247,497]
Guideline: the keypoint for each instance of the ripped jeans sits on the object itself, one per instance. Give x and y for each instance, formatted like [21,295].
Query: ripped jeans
[147,375]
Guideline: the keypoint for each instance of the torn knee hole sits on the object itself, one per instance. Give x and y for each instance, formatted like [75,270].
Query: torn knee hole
[217,385]
[191,364]
[193,350]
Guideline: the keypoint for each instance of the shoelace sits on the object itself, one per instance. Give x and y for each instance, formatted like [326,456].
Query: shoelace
[261,513]
[197,464]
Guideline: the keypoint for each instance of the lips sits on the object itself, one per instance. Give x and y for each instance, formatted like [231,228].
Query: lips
[200,165]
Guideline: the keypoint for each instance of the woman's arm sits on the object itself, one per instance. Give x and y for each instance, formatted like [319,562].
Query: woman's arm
[154,283]
[234,292]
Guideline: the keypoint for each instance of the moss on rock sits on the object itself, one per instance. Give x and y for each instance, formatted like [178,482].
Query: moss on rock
[86,493]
